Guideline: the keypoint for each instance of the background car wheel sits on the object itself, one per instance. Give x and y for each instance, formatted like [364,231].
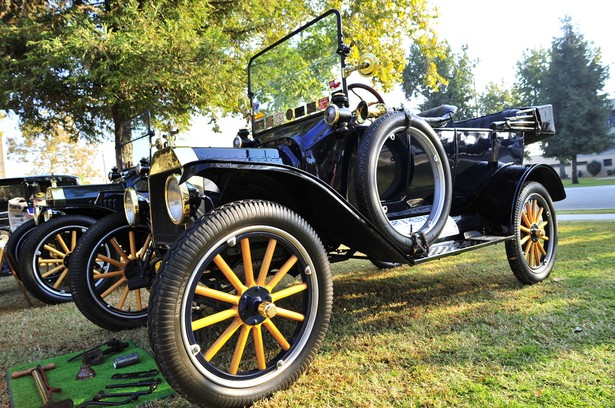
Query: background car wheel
[44,256]
[531,254]
[16,239]
[240,305]
[403,179]
[111,270]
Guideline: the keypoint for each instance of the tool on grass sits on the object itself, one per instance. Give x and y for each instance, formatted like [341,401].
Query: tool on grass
[114,346]
[42,385]
[126,360]
[100,395]
[145,383]
[136,374]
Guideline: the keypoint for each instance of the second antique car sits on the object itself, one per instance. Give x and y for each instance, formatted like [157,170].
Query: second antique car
[242,300]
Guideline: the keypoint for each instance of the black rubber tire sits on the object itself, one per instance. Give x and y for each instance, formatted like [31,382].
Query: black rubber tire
[531,254]
[190,262]
[390,134]
[100,299]
[13,246]
[44,241]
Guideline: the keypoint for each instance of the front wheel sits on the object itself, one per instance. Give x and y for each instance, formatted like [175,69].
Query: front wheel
[111,269]
[531,254]
[240,305]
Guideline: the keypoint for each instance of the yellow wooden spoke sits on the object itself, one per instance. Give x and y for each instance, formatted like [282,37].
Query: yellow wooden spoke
[50,261]
[239,348]
[289,314]
[524,239]
[539,215]
[262,275]
[141,252]
[54,251]
[138,299]
[114,262]
[534,210]
[52,271]
[247,262]
[279,337]
[214,318]
[288,292]
[543,224]
[224,337]
[113,287]
[536,254]
[60,241]
[73,240]
[60,279]
[528,213]
[230,275]
[541,249]
[216,294]
[525,220]
[119,249]
[525,229]
[526,250]
[281,272]
[259,348]
[108,275]
[122,301]
[131,242]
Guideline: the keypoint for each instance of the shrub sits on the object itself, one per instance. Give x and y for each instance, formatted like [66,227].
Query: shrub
[593,167]
[609,172]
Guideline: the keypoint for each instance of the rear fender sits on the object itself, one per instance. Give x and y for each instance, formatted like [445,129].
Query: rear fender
[498,199]
[334,219]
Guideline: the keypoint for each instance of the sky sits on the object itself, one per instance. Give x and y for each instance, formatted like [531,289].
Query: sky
[496,33]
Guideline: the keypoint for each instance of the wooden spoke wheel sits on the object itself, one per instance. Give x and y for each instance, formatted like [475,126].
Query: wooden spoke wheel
[240,305]
[531,254]
[113,265]
[44,257]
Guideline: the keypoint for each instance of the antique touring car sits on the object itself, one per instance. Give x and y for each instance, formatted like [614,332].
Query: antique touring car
[242,299]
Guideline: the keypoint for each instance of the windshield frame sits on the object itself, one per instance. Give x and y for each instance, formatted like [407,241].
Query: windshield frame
[339,52]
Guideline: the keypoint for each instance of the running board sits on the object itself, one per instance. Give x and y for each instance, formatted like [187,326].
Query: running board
[447,248]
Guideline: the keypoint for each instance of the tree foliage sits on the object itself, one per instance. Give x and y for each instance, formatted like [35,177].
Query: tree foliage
[56,155]
[87,66]
[496,98]
[574,86]
[456,86]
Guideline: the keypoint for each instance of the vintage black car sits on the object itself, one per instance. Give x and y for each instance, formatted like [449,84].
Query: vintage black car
[242,299]
[40,249]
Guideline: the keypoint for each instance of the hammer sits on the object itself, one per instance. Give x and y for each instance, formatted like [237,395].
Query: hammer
[43,387]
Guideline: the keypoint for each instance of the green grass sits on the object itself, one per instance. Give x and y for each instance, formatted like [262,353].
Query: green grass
[589,182]
[458,332]
[594,211]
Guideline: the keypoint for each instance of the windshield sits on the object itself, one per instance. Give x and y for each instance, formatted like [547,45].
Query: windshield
[295,77]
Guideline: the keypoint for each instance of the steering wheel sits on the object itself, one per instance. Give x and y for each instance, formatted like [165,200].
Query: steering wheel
[368,88]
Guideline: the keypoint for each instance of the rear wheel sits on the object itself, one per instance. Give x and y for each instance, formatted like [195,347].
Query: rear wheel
[531,254]
[240,305]
[44,257]
[111,269]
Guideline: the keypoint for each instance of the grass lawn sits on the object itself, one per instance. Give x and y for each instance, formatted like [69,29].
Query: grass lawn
[589,182]
[458,332]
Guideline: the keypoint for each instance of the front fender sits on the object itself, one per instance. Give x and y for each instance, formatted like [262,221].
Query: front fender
[498,199]
[330,214]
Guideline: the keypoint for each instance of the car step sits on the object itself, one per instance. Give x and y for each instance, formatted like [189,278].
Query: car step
[447,248]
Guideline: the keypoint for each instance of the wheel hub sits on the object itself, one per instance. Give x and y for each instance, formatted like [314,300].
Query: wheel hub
[65,260]
[256,305]
[537,232]
[136,273]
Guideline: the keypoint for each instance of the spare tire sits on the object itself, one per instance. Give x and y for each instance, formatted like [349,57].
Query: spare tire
[388,162]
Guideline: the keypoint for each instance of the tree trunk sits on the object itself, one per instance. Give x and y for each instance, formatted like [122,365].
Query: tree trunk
[562,169]
[575,176]
[123,149]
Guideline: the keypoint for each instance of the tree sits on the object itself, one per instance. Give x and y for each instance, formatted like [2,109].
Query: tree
[531,76]
[88,66]
[456,86]
[496,98]
[56,155]
[573,83]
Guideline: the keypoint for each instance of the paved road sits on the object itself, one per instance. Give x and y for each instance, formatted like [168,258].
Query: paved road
[587,198]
